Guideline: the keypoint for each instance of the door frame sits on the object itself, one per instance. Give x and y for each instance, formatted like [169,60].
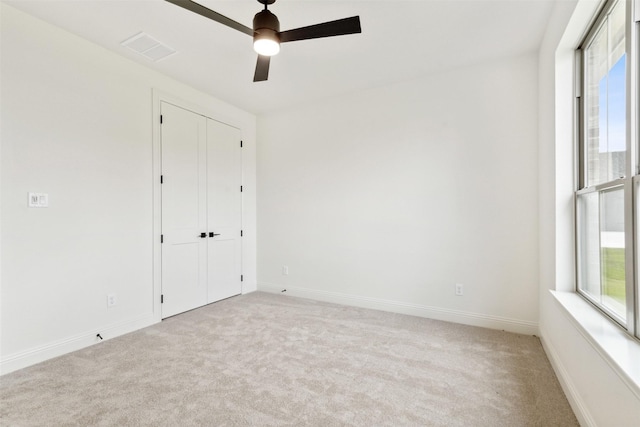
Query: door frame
[158,97]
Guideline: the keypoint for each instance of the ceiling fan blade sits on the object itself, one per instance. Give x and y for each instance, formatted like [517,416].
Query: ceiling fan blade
[262,69]
[339,27]
[208,13]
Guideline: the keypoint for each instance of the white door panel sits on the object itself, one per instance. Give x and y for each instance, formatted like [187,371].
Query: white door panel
[225,279]
[184,252]
[183,277]
[224,210]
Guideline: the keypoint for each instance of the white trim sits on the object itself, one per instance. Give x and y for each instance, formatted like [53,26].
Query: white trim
[438,313]
[620,351]
[212,113]
[580,409]
[156,97]
[39,354]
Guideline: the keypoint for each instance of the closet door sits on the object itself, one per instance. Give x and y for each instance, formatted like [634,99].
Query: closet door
[224,210]
[184,210]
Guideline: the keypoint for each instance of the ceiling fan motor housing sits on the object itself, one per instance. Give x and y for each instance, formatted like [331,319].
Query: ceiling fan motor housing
[266,24]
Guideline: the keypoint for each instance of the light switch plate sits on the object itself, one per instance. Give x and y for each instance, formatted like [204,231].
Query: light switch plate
[38,200]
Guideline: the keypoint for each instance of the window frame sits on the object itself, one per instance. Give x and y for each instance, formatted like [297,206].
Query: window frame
[630,183]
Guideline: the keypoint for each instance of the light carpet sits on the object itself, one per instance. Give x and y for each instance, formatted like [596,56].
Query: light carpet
[272,360]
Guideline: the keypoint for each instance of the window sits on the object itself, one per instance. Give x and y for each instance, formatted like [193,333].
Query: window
[607,180]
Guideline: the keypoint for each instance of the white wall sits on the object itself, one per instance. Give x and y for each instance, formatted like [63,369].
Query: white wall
[389,197]
[77,124]
[599,393]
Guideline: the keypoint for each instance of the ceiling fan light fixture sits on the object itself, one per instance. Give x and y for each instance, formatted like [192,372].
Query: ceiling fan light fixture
[266,27]
[266,43]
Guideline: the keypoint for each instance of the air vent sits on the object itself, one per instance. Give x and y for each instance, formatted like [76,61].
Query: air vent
[148,47]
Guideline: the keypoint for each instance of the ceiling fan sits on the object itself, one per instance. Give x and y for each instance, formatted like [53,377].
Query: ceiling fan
[266,31]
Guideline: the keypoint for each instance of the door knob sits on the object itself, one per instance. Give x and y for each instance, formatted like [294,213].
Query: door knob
[212,234]
[203,235]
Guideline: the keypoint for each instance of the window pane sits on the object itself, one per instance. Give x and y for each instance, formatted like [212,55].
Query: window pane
[612,245]
[602,249]
[605,102]
[589,243]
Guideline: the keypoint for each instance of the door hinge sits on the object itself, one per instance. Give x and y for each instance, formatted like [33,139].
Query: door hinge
[161,179]
[161,299]
[241,278]
[240,233]
[240,144]
[160,118]
[162,238]
[241,188]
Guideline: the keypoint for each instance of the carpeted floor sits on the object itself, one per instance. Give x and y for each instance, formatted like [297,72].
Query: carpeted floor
[267,360]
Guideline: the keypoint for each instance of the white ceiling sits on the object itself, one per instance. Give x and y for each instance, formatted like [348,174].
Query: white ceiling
[400,40]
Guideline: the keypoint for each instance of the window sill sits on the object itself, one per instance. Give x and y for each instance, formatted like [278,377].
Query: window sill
[618,349]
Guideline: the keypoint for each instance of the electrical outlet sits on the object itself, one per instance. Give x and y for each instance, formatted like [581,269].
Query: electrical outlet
[285,270]
[112,299]
[459,289]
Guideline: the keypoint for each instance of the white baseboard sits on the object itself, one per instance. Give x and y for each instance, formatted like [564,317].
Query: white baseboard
[39,354]
[448,315]
[580,409]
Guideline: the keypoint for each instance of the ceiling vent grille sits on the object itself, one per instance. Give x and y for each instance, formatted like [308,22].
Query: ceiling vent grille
[148,47]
